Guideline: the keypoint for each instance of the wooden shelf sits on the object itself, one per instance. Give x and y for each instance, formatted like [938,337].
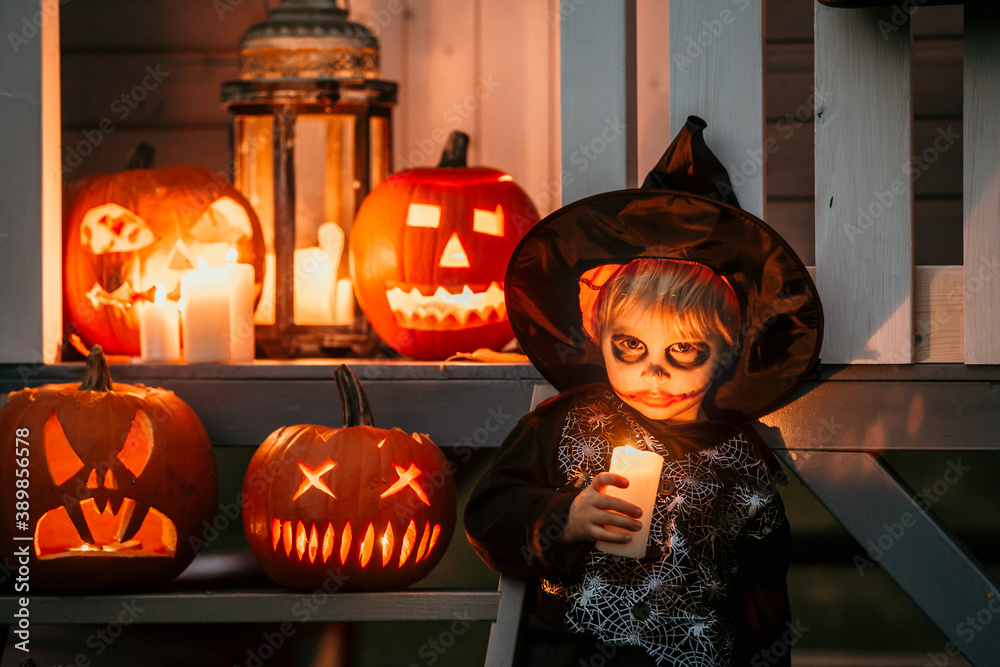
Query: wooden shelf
[248,606]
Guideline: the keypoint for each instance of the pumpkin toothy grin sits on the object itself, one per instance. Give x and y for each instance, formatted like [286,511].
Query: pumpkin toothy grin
[321,542]
[157,535]
[438,309]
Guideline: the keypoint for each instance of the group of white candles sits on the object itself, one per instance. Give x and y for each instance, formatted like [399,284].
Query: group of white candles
[217,317]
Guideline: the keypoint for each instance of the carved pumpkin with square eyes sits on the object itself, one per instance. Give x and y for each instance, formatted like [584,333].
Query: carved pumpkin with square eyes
[126,234]
[429,249]
[375,507]
[120,477]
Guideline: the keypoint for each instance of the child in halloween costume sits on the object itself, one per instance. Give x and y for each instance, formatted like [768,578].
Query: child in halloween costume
[669,318]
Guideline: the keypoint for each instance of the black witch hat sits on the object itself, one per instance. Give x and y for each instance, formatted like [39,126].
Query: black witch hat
[686,210]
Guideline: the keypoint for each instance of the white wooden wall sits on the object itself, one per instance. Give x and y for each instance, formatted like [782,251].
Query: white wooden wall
[30,190]
[492,68]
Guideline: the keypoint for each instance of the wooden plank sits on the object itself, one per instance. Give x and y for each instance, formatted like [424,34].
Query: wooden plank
[939,331]
[503,632]
[937,313]
[30,239]
[157,25]
[517,128]
[792,21]
[937,228]
[936,82]
[440,88]
[864,232]
[982,185]
[899,534]
[323,605]
[937,164]
[206,147]
[888,413]
[146,89]
[717,52]
[652,66]
[597,48]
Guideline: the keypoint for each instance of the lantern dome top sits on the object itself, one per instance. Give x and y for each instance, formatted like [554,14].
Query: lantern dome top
[308,39]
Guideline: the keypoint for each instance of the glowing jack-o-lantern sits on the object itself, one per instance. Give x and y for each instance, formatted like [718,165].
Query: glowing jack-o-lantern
[120,477]
[358,507]
[429,249]
[124,234]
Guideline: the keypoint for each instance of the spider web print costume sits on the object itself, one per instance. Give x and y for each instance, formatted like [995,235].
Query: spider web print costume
[715,491]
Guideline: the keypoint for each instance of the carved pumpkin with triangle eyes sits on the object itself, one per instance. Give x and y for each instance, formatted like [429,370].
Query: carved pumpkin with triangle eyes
[429,249]
[120,477]
[128,233]
[356,508]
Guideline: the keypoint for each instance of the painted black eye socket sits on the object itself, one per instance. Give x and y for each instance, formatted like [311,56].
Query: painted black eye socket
[628,349]
[689,354]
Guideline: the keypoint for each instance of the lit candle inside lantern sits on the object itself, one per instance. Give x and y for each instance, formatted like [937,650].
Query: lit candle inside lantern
[159,329]
[312,286]
[344,308]
[241,331]
[642,469]
[205,293]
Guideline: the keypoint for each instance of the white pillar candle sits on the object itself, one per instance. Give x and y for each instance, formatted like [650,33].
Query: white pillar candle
[159,329]
[344,309]
[312,286]
[642,469]
[205,293]
[241,331]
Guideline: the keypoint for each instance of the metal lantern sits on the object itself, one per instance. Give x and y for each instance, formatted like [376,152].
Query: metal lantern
[311,135]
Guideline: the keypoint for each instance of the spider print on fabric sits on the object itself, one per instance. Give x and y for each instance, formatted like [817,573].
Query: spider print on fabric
[673,602]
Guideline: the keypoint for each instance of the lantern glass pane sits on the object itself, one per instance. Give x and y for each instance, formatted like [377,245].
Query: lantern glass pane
[324,210]
[379,161]
[254,177]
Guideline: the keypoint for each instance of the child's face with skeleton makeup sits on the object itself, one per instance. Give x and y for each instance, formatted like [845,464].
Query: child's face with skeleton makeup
[655,367]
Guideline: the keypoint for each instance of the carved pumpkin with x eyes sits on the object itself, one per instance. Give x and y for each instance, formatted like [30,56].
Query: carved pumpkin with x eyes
[126,234]
[358,507]
[119,477]
[429,249]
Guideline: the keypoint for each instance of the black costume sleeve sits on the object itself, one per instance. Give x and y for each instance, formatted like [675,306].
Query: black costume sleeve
[518,510]
[759,598]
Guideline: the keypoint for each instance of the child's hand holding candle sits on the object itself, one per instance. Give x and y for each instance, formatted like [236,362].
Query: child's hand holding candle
[642,470]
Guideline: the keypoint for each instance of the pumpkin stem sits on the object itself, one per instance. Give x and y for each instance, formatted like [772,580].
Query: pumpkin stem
[97,376]
[455,152]
[141,157]
[354,407]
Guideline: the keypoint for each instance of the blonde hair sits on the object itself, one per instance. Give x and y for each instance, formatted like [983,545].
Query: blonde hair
[702,302]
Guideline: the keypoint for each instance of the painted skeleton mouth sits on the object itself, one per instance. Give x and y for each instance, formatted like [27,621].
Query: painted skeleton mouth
[438,309]
[157,536]
[322,542]
[663,400]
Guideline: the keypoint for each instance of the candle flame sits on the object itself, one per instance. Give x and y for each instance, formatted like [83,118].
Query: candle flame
[202,264]
[231,255]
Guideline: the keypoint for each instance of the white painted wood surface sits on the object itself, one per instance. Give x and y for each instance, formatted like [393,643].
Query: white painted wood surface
[597,97]
[982,185]
[30,270]
[864,199]
[717,56]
